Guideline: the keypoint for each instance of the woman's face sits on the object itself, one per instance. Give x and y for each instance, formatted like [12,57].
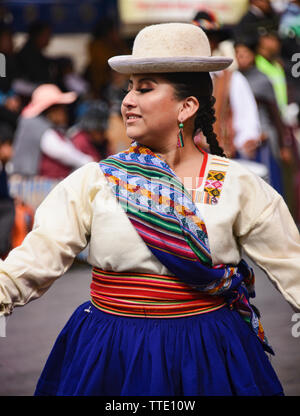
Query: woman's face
[245,57]
[269,46]
[58,114]
[150,110]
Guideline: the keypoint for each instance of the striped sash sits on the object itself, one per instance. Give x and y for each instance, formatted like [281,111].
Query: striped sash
[148,295]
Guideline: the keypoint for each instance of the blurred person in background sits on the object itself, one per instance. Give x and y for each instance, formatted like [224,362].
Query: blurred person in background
[90,132]
[289,31]
[11,69]
[68,79]
[40,145]
[7,206]
[268,61]
[237,126]
[105,42]
[290,20]
[10,101]
[259,17]
[16,216]
[35,67]
[275,147]
[114,94]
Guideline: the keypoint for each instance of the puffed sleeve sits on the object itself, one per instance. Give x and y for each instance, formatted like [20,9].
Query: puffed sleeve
[269,236]
[61,230]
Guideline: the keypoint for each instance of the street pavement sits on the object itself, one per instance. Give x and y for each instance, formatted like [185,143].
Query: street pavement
[32,330]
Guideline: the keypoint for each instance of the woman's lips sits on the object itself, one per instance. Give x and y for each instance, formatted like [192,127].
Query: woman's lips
[131,118]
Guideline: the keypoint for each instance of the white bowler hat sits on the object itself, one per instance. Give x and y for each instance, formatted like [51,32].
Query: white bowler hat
[169,47]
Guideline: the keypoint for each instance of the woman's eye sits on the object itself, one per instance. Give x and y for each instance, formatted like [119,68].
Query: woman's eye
[141,90]
[144,90]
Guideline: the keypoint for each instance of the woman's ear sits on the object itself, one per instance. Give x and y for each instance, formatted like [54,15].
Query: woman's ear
[188,109]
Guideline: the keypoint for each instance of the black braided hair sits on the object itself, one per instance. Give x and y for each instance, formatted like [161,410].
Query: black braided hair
[199,85]
[205,118]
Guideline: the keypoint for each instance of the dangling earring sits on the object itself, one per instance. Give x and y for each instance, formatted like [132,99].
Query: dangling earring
[180,142]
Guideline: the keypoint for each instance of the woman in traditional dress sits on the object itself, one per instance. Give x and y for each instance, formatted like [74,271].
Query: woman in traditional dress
[170,310]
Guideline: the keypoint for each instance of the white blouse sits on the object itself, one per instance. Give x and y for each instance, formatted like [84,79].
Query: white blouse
[82,209]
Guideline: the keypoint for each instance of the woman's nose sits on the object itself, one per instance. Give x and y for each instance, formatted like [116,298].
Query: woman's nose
[129,100]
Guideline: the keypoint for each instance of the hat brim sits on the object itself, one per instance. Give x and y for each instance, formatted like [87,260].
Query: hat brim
[68,97]
[33,109]
[126,64]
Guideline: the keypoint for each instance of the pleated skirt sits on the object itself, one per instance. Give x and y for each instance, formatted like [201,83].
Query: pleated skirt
[212,354]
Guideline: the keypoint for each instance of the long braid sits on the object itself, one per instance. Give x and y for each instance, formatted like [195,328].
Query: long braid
[204,121]
[199,85]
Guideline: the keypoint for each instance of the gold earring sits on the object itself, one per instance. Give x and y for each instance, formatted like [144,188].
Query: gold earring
[180,142]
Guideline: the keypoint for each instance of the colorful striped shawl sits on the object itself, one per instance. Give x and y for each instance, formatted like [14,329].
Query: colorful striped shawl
[167,219]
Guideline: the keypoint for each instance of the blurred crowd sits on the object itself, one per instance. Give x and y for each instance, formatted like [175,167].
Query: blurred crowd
[54,119]
[258,98]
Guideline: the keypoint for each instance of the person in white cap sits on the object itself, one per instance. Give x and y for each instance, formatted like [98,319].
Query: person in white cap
[39,146]
[170,311]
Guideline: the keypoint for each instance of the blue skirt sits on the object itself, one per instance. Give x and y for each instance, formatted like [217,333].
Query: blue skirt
[99,354]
